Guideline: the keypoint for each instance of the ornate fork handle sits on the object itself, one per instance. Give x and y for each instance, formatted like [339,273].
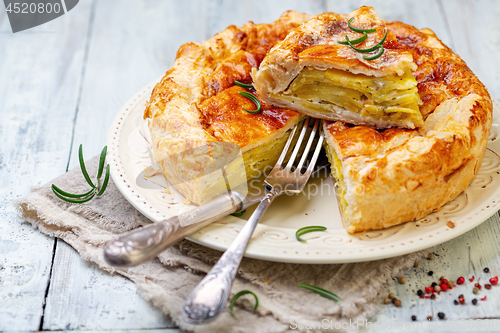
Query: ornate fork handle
[208,299]
[147,242]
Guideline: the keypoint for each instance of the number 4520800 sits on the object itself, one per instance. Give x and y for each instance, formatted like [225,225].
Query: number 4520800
[25,8]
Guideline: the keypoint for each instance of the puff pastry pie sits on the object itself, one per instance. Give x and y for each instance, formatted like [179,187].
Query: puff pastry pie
[196,117]
[312,72]
[387,177]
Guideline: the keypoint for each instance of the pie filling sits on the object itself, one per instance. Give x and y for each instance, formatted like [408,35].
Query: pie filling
[337,173]
[389,98]
[262,158]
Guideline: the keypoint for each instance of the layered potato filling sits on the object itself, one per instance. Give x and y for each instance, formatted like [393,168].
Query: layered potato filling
[337,173]
[262,158]
[391,98]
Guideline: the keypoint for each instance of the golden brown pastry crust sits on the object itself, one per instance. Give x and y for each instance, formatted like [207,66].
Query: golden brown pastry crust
[315,44]
[197,104]
[399,175]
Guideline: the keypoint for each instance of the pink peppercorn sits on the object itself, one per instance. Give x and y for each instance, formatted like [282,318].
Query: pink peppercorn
[460,280]
[472,278]
[444,287]
[494,280]
[483,299]
[429,290]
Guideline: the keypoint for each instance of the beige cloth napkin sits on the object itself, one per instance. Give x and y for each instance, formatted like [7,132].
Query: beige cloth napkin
[168,280]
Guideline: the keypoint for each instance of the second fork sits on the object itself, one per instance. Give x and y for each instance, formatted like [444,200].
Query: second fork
[209,297]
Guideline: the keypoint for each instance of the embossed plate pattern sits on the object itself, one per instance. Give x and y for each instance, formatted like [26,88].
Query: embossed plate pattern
[140,181]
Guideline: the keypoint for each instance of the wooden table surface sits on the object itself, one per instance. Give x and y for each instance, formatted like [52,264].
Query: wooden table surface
[62,84]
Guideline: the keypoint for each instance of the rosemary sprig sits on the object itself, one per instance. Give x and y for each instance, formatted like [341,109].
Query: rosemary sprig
[305,230]
[243,85]
[370,49]
[357,29]
[95,190]
[238,295]
[365,32]
[380,52]
[238,214]
[253,98]
[354,41]
[320,291]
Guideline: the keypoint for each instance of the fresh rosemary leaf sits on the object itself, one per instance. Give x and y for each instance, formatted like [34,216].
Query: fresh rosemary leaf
[370,49]
[357,29]
[238,295]
[320,291]
[239,213]
[354,41]
[105,182]
[82,166]
[306,230]
[243,85]
[101,162]
[75,200]
[70,195]
[376,55]
[253,98]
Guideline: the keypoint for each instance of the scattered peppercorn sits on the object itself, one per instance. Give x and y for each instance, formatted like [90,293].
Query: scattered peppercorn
[472,278]
[451,284]
[415,264]
[460,280]
[477,285]
[484,298]
[441,315]
[455,302]
[444,287]
[391,295]
[474,301]
[461,296]
[429,290]
[430,256]
[429,318]
[475,290]
[487,286]
[387,300]
[433,296]
[437,289]
[461,299]
[486,270]
[433,284]
[494,280]
[402,280]
[420,292]
[430,273]
[397,303]
[414,318]
[394,300]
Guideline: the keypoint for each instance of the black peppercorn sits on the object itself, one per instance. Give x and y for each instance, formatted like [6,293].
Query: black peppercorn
[456,302]
[433,296]
[430,273]
[420,292]
[433,284]
[414,318]
[487,286]
[441,315]
[474,301]
[486,270]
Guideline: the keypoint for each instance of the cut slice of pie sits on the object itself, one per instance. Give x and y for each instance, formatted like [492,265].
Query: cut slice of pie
[314,72]
[202,138]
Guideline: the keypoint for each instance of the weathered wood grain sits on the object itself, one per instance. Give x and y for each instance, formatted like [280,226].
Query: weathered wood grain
[40,71]
[131,43]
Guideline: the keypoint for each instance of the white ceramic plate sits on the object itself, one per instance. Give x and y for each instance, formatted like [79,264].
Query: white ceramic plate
[140,181]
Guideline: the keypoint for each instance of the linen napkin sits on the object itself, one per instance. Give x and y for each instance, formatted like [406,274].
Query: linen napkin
[167,280]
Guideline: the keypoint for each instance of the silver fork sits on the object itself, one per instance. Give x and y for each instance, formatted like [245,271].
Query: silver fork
[209,297]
